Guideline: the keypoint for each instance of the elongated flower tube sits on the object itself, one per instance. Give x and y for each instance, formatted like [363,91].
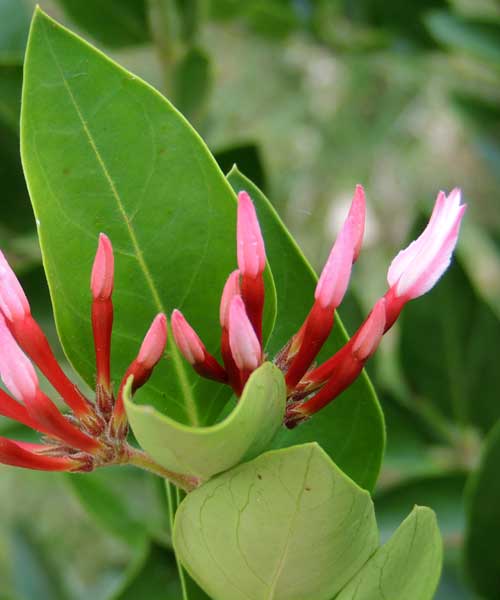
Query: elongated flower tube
[251,261]
[329,292]
[31,456]
[412,273]
[338,373]
[101,285]
[141,368]
[194,351]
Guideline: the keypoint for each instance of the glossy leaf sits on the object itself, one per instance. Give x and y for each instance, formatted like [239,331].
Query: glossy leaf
[407,566]
[286,526]
[205,451]
[482,543]
[351,429]
[114,23]
[166,207]
[448,351]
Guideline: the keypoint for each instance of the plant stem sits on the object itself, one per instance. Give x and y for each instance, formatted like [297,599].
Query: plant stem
[144,461]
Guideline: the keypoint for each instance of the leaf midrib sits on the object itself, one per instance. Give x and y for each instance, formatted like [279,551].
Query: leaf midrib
[190,402]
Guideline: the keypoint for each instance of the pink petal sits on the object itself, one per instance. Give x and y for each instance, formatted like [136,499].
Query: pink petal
[250,245]
[187,339]
[334,278]
[369,335]
[243,341]
[231,289]
[357,218]
[154,343]
[101,281]
[16,370]
[13,301]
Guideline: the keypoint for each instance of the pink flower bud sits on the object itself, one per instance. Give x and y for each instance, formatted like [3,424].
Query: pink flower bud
[243,341]
[334,278]
[416,269]
[231,289]
[357,217]
[187,339]
[367,339]
[16,370]
[251,250]
[13,301]
[154,343]
[101,281]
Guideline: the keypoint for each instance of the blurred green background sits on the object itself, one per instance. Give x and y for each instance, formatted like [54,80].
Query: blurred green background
[308,97]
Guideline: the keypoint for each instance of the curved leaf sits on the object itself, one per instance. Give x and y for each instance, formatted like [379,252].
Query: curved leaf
[407,566]
[204,451]
[351,429]
[288,525]
[103,151]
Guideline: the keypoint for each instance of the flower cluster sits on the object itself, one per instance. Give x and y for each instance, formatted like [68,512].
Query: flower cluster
[93,433]
[412,273]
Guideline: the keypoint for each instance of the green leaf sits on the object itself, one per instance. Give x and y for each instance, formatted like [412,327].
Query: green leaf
[165,205]
[480,38]
[288,525]
[14,26]
[449,341]
[351,429]
[205,451]
[482,542]
[407,566]
[114,23]
[192,80]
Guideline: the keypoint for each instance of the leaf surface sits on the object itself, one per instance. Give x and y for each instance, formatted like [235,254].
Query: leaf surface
[288,525]
[103,151]
[205,451]
[407,566]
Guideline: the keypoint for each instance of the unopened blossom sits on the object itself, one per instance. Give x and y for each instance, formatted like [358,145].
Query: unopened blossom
[94,432]
[310,387]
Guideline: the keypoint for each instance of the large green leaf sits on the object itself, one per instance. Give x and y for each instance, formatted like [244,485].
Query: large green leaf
[288,525]
[449,343]
[407,566]
[114,23]
[103,151]
[482,543]
[205,451]
[351,429]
